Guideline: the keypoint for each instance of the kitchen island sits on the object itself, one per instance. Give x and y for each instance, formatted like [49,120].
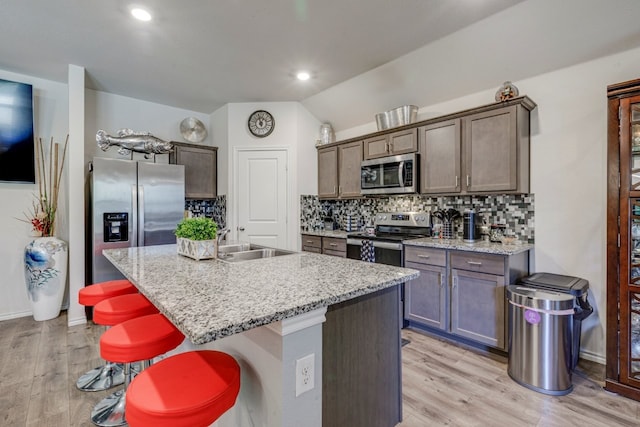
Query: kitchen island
[269,314]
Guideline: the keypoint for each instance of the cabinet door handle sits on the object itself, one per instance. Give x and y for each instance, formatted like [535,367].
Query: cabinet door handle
[424,256]
[391,147]
[386,147]
[457,181]
[454,282]
[478,263]
[441,280]
[309,241]
[333,244]
[468,180]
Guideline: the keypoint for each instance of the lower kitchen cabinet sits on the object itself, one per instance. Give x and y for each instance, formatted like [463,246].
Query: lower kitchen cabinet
[462,293]
[311,243]
[426,298]
[477,307]
[335,246]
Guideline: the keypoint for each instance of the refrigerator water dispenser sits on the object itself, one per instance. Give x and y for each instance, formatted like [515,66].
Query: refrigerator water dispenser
[116,226]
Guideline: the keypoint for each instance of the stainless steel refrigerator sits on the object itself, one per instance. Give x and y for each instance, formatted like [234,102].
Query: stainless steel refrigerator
[133,204]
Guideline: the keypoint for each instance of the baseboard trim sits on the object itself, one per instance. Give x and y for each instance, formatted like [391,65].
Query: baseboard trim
[9,316]
[77,321]
[592,357]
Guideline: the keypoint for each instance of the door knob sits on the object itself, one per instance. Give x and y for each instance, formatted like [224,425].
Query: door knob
[240,228]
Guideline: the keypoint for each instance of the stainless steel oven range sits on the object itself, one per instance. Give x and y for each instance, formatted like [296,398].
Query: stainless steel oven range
[391,228]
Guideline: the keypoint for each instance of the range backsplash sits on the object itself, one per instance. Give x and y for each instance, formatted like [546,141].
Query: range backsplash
[212,208]
[515,211]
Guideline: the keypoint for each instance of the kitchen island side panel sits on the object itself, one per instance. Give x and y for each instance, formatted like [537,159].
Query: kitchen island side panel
[361,356]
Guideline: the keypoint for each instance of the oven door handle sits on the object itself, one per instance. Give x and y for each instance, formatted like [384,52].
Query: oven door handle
[401,174]
[377,244]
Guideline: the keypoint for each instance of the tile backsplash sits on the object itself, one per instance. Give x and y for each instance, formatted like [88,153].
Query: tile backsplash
[211,208]
[515,211]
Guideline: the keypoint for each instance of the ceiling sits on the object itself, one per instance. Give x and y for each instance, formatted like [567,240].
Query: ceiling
[202,54]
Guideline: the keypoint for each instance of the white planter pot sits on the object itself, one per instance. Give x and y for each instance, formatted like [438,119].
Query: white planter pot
[198,249]
[45,271]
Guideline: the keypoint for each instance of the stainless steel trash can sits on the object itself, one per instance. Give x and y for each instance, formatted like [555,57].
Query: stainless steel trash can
[540,339]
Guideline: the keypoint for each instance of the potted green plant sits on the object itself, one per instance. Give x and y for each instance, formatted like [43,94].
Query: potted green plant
[196,238]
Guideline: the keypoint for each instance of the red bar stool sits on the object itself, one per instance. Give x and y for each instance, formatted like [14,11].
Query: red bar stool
[119,309]
[93,294]
[109,374]
[190,389]
[142,338]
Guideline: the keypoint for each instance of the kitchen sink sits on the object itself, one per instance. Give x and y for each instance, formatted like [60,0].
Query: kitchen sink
[234,247]
[247,251]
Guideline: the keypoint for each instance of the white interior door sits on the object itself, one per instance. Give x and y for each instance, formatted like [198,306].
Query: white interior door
[262,197]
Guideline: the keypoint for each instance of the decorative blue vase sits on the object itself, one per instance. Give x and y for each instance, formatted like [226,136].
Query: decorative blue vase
[45,271]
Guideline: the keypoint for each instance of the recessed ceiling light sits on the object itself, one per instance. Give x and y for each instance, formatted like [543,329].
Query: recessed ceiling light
[303,75]
[141,14]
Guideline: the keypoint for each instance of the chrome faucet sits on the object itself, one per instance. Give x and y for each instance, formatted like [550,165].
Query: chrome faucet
[221,233]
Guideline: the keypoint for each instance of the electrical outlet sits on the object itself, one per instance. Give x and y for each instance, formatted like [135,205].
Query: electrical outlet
[305,374]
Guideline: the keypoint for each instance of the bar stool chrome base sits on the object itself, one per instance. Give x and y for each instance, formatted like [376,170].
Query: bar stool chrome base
[109,412]
[102,378]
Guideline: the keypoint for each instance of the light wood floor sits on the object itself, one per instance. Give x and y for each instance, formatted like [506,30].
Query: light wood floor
[443,384]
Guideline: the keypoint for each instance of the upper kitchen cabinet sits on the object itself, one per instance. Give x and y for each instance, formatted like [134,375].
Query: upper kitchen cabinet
[391,144]
[480,151]
[496,151]
[200,169]
[440,157]
[339,170]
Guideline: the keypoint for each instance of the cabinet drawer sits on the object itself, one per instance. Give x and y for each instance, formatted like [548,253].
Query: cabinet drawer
[334,253]
[425,255]
[311,249]
[334,244]
[309,241]
[482,263]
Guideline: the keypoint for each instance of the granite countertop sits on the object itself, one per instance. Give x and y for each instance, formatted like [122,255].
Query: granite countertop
[479,246]
[211,299]
[340,234]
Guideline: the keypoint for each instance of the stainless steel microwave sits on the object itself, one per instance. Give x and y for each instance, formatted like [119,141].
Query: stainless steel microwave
[390,175]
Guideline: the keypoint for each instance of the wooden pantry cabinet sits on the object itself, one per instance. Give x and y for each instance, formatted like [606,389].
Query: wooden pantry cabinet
[483,151]
[623,240]
[339,171]
[200,169]
[462,293]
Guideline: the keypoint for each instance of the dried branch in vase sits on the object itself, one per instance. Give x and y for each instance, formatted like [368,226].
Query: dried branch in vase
[45,206]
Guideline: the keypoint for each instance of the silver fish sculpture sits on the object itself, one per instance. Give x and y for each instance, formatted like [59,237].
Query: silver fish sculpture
[128,141]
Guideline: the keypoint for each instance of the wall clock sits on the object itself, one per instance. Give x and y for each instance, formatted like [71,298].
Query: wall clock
[261,123]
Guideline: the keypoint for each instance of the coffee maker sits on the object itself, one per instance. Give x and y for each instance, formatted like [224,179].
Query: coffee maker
[470,226]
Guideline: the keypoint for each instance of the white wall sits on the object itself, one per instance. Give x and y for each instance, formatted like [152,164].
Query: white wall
[220,134]
[75,195]
[51,108]
[51,116]
[568,172]
[113,112]
[295,130]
